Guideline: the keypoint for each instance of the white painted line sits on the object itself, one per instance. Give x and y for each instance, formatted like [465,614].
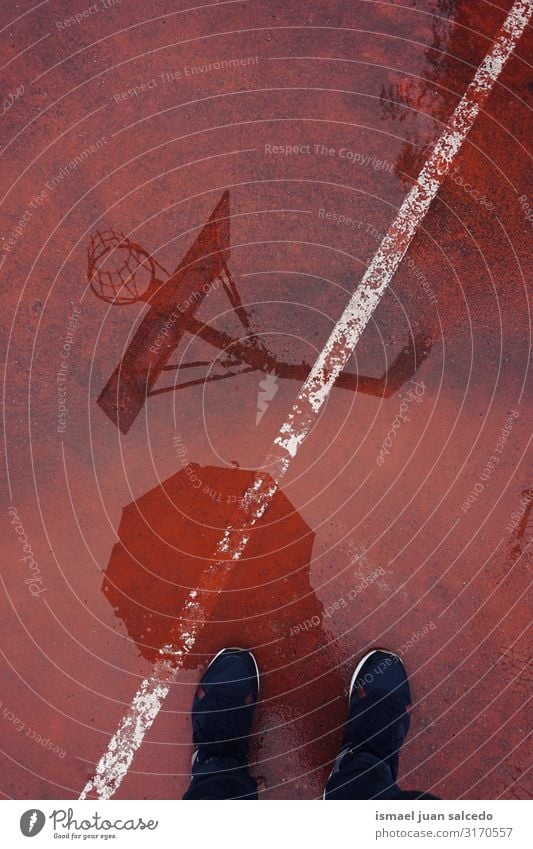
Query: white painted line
[148,700]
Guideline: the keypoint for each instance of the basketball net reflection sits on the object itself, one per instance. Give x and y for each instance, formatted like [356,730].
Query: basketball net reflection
[122,272]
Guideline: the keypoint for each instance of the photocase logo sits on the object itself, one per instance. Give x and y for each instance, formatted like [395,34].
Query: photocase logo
[269,388]
[32,822]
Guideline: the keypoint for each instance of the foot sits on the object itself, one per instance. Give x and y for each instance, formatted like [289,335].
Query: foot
[224,706]
[378,720]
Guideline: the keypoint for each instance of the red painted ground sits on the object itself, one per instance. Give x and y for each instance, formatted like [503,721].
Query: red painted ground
[354,552]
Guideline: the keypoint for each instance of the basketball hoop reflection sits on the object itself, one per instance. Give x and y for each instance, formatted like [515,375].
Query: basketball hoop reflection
[122,272]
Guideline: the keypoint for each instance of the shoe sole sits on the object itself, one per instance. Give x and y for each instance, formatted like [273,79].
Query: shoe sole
[238,648]
[362,663]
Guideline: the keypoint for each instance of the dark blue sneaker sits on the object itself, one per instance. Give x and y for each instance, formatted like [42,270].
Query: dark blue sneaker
[224,706]
[378,720]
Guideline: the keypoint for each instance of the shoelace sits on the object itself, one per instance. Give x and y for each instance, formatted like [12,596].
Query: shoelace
[217,722]
[374,723]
